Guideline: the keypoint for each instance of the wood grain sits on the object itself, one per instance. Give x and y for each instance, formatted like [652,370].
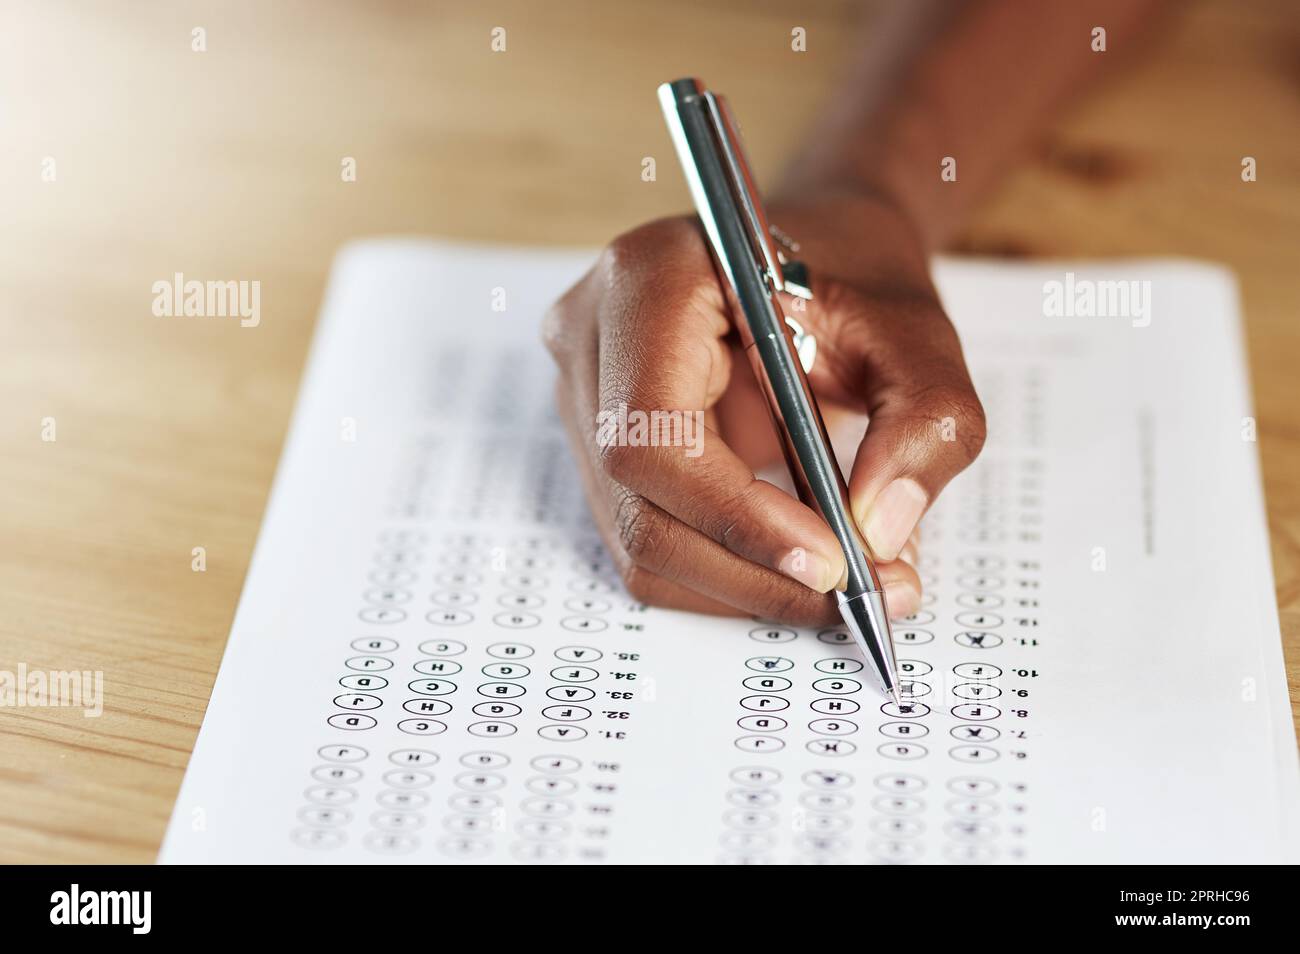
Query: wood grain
[226,164]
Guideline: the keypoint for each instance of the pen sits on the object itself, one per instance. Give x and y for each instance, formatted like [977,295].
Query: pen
[752,271]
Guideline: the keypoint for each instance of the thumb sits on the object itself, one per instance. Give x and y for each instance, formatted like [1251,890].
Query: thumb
[926,425]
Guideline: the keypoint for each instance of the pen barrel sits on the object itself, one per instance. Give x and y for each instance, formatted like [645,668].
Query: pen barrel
[806,445]
[718,176]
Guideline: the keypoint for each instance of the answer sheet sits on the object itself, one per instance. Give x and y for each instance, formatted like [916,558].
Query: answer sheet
[433,660]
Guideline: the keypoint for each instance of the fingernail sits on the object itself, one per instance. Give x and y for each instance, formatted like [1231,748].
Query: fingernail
[901,599]
[811,569]
[893,516]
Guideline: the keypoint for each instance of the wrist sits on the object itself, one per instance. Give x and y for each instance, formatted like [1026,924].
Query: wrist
[858,234]
[892,155]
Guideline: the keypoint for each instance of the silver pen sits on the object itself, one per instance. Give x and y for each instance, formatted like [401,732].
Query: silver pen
[753,270]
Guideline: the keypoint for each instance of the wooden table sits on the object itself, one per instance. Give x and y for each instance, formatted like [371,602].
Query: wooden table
[226,164]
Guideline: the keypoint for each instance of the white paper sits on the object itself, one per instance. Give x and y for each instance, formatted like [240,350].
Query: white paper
[1108,551]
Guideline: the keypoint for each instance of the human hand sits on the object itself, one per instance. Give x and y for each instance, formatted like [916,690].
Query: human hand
[692,527]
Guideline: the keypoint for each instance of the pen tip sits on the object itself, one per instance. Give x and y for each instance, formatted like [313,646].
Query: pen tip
[898,700]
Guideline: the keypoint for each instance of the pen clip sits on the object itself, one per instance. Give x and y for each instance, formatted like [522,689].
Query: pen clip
[745,191]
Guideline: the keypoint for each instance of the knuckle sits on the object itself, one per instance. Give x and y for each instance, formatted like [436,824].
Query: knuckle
[554,336]
[726,532]
[619,461]
[640,529]
[633,244]
[567,322]
[639,585]
[624,251]
[972,428]
[959,416]
[729,526]
[668,254]
[562,324]
[788,604]
[630,253]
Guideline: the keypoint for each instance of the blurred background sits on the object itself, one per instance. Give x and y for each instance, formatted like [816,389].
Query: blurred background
[226,164]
